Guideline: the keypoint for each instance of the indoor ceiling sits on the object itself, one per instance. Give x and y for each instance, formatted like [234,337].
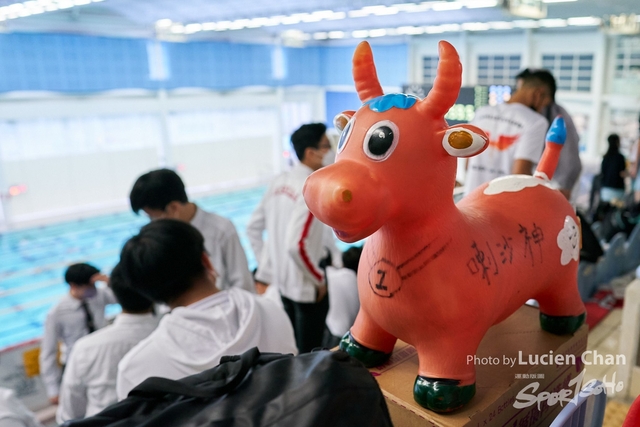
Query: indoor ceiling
[291,21]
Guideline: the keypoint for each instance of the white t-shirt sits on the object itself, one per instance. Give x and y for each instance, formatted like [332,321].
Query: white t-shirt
[192,339]
[515,131]
[343,300]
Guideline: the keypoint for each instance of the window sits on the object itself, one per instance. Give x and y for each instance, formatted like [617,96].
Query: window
[498,69]
[572,72]
[429,68]
[628,57]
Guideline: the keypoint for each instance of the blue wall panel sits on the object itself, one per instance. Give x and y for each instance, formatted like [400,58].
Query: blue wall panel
[70,63]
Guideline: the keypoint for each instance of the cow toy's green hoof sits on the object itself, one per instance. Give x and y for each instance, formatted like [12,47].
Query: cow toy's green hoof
[561,325]
[442,395]
[367,356]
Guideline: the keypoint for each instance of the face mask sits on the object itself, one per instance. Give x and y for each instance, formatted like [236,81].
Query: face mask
[329,158]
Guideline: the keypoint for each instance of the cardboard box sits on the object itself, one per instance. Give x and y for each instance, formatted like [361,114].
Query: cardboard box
[497,383]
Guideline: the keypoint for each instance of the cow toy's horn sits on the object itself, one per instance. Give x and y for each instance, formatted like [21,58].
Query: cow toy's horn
[446,85]
[364,73]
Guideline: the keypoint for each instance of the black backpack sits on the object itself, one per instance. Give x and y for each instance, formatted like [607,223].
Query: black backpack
[321,388]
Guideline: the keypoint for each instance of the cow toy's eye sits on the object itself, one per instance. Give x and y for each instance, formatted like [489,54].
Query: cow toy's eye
[344,137]
[381,139]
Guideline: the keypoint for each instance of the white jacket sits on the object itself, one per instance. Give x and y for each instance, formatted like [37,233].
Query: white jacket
[192,339]
[308,242]
[283,214]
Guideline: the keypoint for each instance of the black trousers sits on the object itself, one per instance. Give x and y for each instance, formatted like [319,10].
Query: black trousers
[308,320]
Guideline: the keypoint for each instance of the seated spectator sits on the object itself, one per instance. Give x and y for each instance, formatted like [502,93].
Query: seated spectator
[168,263]
[13,413]
[343,296]
[89,380]
[613,171]
[161,194]
[77,314]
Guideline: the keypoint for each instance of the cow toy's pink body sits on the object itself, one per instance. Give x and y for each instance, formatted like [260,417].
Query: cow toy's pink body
[435,274]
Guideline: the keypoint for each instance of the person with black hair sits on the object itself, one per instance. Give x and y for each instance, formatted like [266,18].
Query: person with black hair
[613,170]
[344,302]
[516,131]
[289,259]
[569,164]
[167,262]
[161,194]
[89,380]
[78,313]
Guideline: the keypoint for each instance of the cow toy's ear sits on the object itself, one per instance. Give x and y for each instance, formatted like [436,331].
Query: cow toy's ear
[464,141]
[340,121]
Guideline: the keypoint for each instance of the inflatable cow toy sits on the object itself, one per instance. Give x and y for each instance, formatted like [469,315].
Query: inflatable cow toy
[435,274]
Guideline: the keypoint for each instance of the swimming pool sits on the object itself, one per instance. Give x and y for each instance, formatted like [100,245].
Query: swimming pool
[32,261]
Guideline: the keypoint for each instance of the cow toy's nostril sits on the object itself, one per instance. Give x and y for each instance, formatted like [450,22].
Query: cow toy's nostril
[347,196]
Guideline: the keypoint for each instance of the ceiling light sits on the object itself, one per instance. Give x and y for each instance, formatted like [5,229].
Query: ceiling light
[411,7]
[338,15]
[177,29]
[500,25]
[584,21]
[360,34]
[65,4]
[81,2]
[476,4]
[475,26]
[558,1]
[289,20]
[192,28]
[336,34]
[163,23]
[410,30]
[358,13]
[525,23]
[387,11]
[239,24]
[550,23]
[209,26]
[380,32]
[320,36]
[433,30]
[446,5]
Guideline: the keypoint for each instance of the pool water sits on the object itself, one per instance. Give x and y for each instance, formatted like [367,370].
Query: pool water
[33,261]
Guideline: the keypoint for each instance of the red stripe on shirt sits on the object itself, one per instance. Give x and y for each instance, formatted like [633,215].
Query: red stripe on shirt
[303,252]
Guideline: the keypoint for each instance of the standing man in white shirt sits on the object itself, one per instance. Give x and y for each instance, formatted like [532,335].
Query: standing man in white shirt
[78,313]
[344,302]
[89,380]
[516,131]
[569,164]
[168,263]
[295,240]
[161,194]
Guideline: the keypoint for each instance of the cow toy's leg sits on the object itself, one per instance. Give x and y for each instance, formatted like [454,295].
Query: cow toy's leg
[561,308]
[446,378]
[368,342]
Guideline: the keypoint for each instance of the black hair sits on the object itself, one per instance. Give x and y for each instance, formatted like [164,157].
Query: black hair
[80,274]
[156,189]
[538,77]
[163,259]
[614,143]
[130,300]
[351,258]
[307,136]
